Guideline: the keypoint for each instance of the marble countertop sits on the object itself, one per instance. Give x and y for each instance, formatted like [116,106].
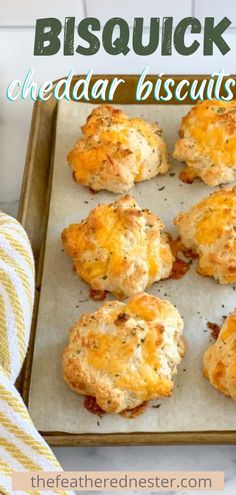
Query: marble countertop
[162,458]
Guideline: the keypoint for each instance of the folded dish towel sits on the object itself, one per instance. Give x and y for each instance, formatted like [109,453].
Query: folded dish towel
[21,446]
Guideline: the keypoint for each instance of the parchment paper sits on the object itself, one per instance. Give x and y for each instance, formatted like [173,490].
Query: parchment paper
[195,405]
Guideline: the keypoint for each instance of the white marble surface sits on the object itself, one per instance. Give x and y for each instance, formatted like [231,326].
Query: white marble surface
[163,458]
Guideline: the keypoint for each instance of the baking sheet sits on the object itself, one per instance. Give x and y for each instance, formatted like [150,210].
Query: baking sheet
[195,405]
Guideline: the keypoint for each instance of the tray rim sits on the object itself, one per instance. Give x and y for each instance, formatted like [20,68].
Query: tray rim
[45,113]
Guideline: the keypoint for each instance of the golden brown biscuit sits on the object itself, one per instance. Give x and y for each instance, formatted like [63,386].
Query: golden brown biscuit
[119,248]
[125,354]
[220,359]
[209,229]
[117,151]
[208,142]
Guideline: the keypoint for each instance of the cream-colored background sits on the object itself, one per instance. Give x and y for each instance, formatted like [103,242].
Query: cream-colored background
[195,405]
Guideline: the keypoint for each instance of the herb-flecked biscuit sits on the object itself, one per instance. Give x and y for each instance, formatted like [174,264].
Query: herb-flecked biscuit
[125,354]
[209,230]
[116,151]
[208,142]
[220,359]
[119,248]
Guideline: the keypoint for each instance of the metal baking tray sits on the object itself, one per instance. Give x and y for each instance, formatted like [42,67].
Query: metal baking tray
[33,215]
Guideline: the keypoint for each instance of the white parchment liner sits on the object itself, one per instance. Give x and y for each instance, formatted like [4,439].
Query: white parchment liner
[195,405]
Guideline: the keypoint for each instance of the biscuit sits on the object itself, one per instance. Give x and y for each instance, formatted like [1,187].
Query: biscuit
[220,359]
[116,151]
[125,354]
[208,142]
[209,230]
[119,248]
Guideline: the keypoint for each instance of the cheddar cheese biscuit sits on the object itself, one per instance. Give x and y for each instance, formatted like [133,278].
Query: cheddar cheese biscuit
[125,354]
[208,142]
[220,359]
[116,151]
[209,229]
[119,248]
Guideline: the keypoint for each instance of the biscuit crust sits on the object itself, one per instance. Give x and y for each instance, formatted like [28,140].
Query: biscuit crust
[209,229]
[125,354]
[119,248]
[116,151]
[220,359]
[208,142]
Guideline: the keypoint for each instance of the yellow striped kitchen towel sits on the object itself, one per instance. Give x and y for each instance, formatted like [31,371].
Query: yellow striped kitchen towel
[21,446]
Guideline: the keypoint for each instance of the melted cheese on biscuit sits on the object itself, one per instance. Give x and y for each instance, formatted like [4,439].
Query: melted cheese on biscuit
[217,215]
[220,359]
[117,151]
[208,142]
[213,126]
[119,248]
[132,349]
[209,228]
